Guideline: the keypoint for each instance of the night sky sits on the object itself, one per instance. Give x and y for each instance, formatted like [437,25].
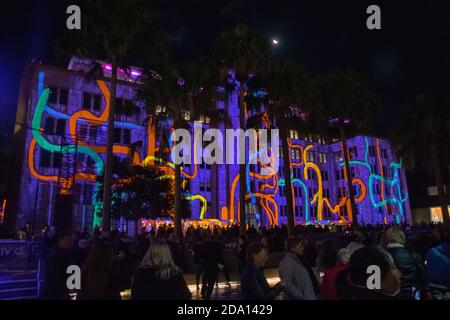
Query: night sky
[408,56]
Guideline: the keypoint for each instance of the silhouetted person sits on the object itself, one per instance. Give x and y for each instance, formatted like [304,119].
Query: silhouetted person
[211,252]
[158,278]
[58,259]
[254,285]
[100,276]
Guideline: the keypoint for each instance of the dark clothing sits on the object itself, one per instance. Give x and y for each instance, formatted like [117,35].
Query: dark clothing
[55,274]
[409,267]
[438,265]
[312,275]
[114,285]
[211,254]
[177,252]
[147,286]
[242,256]
[346,291]
[254,285]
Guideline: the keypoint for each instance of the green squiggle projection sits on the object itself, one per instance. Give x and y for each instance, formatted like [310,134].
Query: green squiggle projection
[45,144]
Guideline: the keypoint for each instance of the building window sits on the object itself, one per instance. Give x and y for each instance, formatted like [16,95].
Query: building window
[54,126]
[310,156]
[355,190]
[282,191]
[204,119]
[372,151]
[187,115]
[282,210]
[82,131]
[97,103]
[58,96]
[353,152]
[202,185]
[342,192]
[322,157]
[295,154]
[126,136]
[293,134]
[87,194]
[49,159]
[93,134]
[377,189]
[92,102]
[338,158]
[122,136]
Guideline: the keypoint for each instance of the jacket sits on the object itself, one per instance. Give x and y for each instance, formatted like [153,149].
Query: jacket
[438,265]
[147,286]
[254,285]
[409,267]
[328,289]
[299,284]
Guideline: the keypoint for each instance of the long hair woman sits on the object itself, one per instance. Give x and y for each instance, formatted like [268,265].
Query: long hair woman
[158,278]
[99,279]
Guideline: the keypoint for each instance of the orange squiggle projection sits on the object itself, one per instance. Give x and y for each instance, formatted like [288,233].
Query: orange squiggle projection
[97,121]
[362,185]
[169,167]
[265,199]
[78,176]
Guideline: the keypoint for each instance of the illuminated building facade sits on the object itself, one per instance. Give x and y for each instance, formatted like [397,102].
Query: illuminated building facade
[60,109]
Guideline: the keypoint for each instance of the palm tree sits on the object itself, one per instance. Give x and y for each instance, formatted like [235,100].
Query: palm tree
[424,131]
[111,29]
[288,104]
[177,96]
[344,105]
[246,53]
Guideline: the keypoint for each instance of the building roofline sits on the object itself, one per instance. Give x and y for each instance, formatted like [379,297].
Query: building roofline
[35,65]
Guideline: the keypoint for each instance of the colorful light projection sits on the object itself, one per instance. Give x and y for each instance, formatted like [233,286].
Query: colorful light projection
[93,151]
[2,212]
[269,183]
[395,194]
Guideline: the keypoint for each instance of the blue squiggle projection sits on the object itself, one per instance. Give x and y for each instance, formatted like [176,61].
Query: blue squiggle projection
[252,157]
[43,143]
[392,183]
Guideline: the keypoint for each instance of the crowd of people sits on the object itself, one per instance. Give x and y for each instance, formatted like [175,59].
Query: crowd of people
[318,263]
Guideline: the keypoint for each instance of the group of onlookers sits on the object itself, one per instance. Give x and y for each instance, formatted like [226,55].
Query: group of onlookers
[153,268]
[385,271]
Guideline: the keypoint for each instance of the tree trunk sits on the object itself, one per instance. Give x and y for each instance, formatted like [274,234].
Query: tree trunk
[439,183]
[242,171]
[349,178]
[288,182]
[107,182]
[177,216]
